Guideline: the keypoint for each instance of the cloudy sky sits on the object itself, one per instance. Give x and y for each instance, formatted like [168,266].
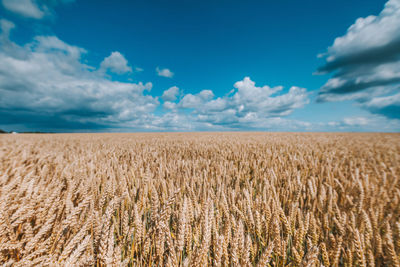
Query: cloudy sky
[226,65]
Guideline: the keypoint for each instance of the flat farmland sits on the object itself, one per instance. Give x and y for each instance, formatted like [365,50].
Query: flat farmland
[200,199]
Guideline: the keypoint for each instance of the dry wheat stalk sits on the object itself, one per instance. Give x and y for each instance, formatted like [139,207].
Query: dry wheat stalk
[248,199]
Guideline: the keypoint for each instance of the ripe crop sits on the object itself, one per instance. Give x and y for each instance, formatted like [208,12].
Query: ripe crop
[201,199]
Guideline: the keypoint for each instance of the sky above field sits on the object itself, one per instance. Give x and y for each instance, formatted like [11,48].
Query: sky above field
[188,65]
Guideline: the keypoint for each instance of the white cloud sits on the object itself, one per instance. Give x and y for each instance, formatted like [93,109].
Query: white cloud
[164,72]
[116,63]
[249,107]
[6,26]
[206,94]
[366,63]
[170,94]
[388,106]
[367,39]
[34,9]
[356,121]
[366,60]
[24,8]
[250,98]
[248,91]
[179,121]
[169,105]
[190,101]
[45,84]
[373,123]
[194,101]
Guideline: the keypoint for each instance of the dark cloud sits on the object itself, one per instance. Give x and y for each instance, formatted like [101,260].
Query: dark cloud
[351,86]
[375,55]
[388,106]
[45,84]
[365,63]
[45,122]
[392,112]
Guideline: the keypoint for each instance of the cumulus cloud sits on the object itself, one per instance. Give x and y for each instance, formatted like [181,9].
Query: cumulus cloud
[374,39]
[116,63]
[31,8]
[247,107]
[365,62]
[250,98]
[194,101]
[45,85]
[169,105]
[170,94]
[164,72]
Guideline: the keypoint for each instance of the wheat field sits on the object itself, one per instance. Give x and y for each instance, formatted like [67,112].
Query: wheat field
[200,199]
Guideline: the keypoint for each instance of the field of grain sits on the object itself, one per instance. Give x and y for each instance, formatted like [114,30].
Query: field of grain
[209,199]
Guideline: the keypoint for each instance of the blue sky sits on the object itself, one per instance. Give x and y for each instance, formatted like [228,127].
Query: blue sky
[71,66]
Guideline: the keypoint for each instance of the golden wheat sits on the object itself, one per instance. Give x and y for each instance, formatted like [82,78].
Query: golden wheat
[209,199]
